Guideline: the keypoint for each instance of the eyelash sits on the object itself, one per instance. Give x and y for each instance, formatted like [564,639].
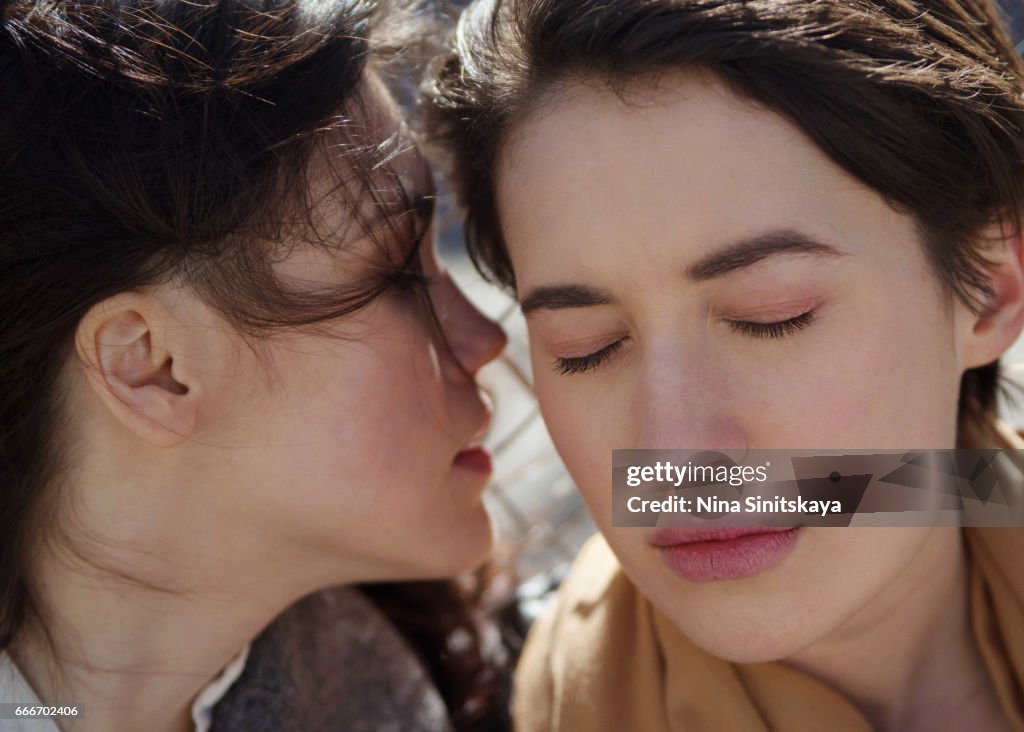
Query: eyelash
[582,364]
[780,329]
[408,282]
[411,280]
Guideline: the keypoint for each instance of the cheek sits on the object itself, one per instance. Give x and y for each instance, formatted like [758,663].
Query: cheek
[882,376]
[585,427]
[401,410]
[370,409]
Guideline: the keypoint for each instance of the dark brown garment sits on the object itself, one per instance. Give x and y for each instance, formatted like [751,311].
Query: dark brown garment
[332,662]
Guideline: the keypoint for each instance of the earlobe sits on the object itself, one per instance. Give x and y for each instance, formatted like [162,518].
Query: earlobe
[122,343]
[998,326]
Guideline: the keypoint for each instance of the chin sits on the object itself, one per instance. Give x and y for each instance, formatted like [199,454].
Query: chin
[766,650]
[467,544]
[743,641]
[475,543]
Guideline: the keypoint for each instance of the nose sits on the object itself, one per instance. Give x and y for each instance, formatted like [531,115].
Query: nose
[475,340]
[683,403]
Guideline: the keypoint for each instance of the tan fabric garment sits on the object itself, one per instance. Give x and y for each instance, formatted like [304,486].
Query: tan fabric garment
[606,660]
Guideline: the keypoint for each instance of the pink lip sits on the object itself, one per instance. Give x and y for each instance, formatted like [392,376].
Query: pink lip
[474,458]
[710,554]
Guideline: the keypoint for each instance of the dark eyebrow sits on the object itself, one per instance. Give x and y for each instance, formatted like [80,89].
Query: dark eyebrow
[419,205]
[423,197]
[750,251]
[404,225]
[423,206]
[417,202]
[558,297]
[734,257]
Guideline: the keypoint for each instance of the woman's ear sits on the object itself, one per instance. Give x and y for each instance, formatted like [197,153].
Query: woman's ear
[139,358]
[999,325]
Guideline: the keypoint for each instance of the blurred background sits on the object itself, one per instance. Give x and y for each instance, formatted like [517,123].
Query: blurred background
[539,517]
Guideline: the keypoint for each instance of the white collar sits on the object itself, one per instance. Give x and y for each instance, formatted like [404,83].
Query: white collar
[14,688]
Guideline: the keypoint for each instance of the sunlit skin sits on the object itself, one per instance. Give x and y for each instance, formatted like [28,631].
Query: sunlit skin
[696,274]
[213,479]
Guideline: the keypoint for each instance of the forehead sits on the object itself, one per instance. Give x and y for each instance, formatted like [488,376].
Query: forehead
[680,169]
[386,171]
[398,150]
[370,192]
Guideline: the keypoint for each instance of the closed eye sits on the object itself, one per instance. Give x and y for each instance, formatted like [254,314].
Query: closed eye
[582,364]
[407,281]
[778,329]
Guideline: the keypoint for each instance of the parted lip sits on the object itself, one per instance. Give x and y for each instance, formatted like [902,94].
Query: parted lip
[676,535]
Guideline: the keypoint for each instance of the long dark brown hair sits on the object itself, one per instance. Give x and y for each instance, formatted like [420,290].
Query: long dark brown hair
[145,141]
[922,100]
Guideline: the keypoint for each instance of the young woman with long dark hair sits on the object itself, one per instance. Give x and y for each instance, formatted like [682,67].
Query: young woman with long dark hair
[232,373]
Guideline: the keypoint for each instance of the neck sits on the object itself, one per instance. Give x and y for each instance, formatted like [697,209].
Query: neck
[147,605]
[908,660]
[155,579]
[132,657]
